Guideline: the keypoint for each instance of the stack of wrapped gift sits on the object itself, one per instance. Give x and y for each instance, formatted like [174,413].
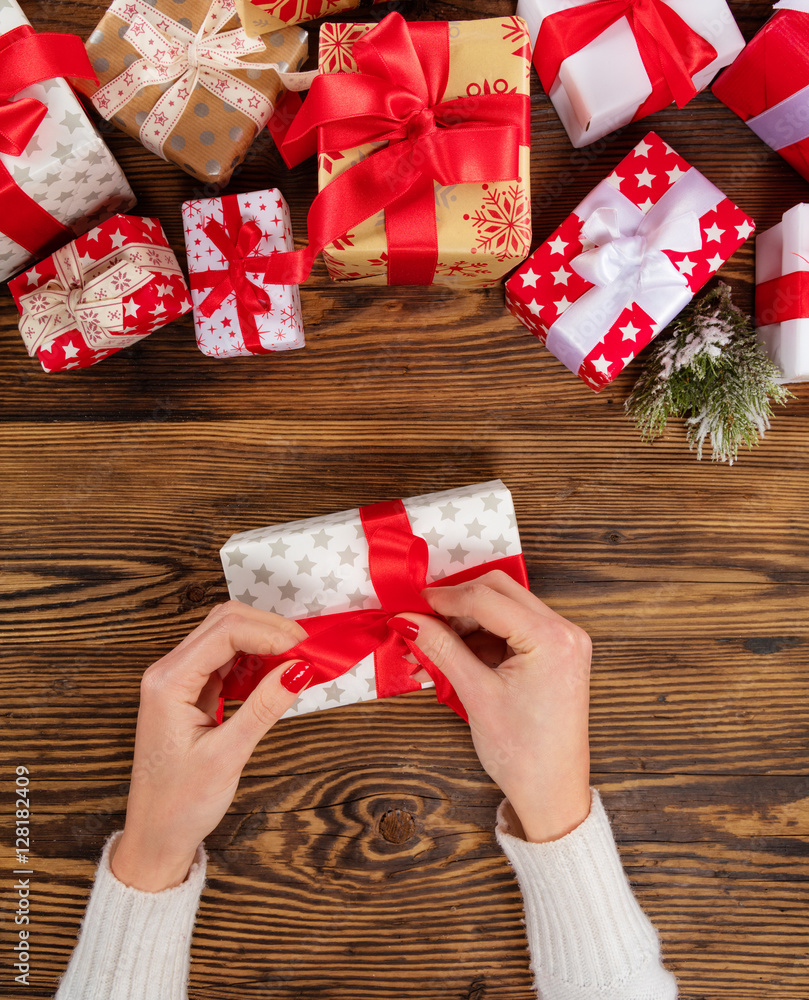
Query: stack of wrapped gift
[105,291]
[259,16]
[782,293]
[626,261]
[604,64]
[195,90]
[344,575]
[423,133]
[768,85]
[58,179]
[228,241]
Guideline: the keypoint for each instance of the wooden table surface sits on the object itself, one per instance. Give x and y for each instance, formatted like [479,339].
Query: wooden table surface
[358,860]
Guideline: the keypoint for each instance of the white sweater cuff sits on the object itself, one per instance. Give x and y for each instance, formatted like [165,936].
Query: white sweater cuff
[134,945]
[588,936]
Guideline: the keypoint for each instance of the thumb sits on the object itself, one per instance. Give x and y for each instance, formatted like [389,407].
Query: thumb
[471,678]
[265,705]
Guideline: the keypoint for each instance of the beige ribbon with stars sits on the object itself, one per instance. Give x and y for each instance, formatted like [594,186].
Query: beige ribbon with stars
[90,298]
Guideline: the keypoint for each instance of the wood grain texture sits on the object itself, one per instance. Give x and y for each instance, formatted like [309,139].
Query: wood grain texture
[358,860]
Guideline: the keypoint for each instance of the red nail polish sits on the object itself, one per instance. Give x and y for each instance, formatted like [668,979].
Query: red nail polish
[404,627]
[297,676]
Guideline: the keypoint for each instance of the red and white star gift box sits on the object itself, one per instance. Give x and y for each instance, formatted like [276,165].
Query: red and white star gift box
[626,261]
[104,291]
[228,241]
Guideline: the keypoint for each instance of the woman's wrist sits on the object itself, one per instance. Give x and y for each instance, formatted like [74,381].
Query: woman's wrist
[544,819]
[149,867]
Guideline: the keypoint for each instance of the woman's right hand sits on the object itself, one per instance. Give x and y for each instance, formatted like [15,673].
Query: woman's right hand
[522,673]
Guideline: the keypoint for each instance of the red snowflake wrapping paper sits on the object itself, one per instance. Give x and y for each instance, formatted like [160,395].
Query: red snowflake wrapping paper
[223,238]
[484,230]
[103,292]
[626,261]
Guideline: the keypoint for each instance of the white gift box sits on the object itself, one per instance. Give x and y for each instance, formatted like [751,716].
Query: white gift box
[66,168]
[221,335]
[783,253]
[600,87]
[320,565]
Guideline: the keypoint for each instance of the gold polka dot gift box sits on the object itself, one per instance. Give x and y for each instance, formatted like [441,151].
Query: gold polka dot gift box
[186,81]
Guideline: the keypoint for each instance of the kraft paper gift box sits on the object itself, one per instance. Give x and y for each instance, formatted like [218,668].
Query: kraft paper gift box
[104,291]
[183,78]
[782,293]
[768,85]
[627,260]
[417,203]
[60,178]
[318,571]
[269,15]
[227,241]
[604,65]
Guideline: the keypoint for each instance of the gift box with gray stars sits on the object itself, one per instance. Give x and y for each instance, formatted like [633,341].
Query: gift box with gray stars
[66,167]
[320,566]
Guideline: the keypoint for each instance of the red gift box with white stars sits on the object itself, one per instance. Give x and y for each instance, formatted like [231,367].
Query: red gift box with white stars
[626,261]
[232,317]
[104,291]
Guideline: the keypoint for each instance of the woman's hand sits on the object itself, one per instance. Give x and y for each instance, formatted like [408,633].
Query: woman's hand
[186,767]
[522,673]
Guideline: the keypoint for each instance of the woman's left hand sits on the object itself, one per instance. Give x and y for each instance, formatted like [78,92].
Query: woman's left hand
[186,767]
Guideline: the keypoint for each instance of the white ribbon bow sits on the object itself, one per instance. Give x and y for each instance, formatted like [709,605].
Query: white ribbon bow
[628,264]
[90,299]
[176,58]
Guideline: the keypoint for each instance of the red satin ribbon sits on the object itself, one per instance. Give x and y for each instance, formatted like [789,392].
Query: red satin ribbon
[27,58]
[236,241]
[336,643]
[672,52]
[397,97]
[783,298]
[773,66]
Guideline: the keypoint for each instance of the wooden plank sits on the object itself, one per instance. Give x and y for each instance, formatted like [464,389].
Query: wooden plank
[658,706]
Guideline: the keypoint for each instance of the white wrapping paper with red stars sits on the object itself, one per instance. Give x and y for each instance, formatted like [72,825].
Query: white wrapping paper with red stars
[626,261]
[228,241]
[103,292]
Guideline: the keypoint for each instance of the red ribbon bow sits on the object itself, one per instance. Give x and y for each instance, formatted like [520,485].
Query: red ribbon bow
[397,97]
[236,241]
[671,50]
[26,58]
[335,643]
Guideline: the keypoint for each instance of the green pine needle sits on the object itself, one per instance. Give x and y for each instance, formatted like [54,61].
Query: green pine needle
[709,368]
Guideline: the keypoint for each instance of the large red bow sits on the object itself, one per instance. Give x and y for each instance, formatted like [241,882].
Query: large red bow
[671,50]
[26,58]
[397,97]
[335,643]
[236,241]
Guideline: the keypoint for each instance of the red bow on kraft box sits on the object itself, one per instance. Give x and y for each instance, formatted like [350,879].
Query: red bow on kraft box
[672,52]
[27,58]
[398,564]
[768,85]
[397,97]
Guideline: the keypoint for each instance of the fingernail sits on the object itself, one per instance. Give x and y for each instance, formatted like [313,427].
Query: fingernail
[404,627]
[297,676]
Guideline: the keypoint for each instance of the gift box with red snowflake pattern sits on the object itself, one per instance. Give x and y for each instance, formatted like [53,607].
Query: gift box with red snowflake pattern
[626,261]
[229,241]
[104,291]
[483,229]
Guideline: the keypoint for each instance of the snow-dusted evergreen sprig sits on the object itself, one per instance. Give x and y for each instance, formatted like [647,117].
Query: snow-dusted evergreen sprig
[709,368]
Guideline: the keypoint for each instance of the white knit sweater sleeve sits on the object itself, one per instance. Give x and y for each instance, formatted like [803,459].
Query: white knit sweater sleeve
[134,945]
[587,935]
